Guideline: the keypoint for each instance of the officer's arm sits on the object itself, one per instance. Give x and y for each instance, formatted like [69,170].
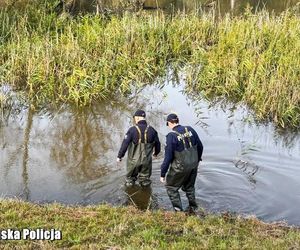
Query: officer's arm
[200,149]
[125,144]
[156,144]
[199,145]
[169,154]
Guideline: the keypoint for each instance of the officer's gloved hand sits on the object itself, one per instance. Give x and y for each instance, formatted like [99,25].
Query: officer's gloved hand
[119,159]
[162,179]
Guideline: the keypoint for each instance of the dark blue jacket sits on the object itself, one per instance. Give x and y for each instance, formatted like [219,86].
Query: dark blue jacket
[132,135]
[173,144]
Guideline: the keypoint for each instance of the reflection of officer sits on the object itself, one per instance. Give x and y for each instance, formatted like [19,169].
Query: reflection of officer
[141,198]
[140,141]
[183,153]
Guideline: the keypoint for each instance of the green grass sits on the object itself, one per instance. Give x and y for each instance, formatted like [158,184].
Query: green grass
[105,227]
[250,59]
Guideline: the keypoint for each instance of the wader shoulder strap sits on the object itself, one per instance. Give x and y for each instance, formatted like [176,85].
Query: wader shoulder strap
[140,134]
[188,136]
[145,134]
[182,138]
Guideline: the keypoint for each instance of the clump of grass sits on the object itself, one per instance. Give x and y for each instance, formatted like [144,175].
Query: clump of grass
[105,227]
[81,59]
[254,60]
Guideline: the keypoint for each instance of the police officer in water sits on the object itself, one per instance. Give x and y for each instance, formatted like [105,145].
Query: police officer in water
[183,153]
[140,140]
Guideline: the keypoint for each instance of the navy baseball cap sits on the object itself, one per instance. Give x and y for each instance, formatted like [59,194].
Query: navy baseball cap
[172,118]
[140,112]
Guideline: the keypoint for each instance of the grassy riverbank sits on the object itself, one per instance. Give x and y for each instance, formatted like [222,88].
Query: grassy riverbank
[105,227]
[252,58]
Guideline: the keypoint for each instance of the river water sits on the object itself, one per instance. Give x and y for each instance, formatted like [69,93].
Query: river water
[69,156]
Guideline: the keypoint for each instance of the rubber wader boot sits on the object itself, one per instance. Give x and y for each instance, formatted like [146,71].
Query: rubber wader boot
[182,173]
[189,188]
[139,161]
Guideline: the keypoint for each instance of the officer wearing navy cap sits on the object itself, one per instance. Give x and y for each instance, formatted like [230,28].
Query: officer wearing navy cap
[140,140]
[183,153]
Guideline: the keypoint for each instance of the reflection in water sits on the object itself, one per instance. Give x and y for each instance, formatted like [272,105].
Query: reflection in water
[287,138]
[26,191]
[244,162]
[75,143]
[250,169]
[140,197]
[84,144]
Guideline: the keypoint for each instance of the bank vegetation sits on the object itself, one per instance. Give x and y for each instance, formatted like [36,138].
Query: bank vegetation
[105,227]
[253,58]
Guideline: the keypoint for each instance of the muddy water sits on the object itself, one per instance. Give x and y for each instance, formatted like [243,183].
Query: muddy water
[69,156]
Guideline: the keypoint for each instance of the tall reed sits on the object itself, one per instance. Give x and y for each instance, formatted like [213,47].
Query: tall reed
[253,58]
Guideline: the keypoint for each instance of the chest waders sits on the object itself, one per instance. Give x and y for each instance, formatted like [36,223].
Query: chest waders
[182,173]
[139,160]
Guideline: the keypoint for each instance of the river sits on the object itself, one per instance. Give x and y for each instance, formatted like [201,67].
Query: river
[69,155]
